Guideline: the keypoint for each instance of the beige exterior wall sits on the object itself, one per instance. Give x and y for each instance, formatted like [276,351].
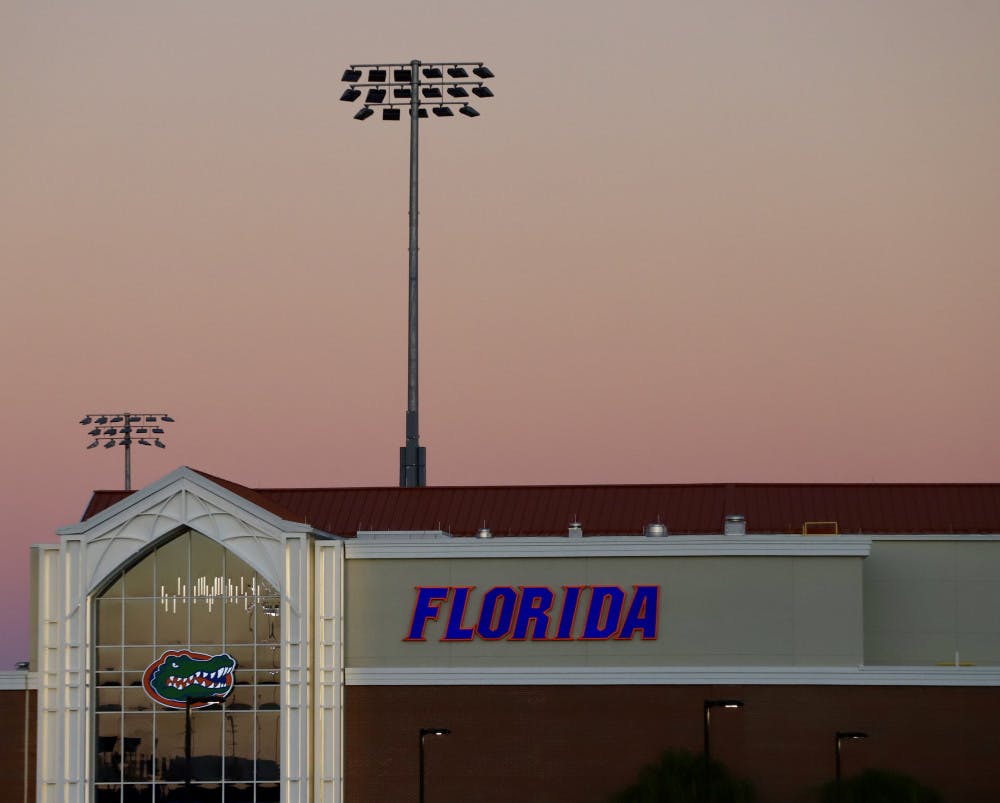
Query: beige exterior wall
[928,600]
[723,611]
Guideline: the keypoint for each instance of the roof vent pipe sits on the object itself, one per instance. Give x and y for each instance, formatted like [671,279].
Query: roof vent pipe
[735,525]
[655,529]
[576,530]
[484,532]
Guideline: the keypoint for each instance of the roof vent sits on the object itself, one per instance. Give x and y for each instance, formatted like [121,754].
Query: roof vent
[656,529]
[735,524]
[576,530]
[484,532]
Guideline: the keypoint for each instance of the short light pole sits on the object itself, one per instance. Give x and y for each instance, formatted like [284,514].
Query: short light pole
[117,429]
[415,85]
[424,733]
[841,735]
[709,705]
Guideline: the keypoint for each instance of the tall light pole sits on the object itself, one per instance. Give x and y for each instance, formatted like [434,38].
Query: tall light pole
[709,705]
[841,735]
[116,429]
[424,733]
[417,85]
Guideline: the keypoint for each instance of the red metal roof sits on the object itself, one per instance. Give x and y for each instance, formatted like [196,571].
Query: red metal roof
[625,509]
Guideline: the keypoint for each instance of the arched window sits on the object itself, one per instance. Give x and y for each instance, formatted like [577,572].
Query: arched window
[192,598]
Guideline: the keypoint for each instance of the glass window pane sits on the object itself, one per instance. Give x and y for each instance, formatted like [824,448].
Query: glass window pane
[171,621]
[138,621]
[206,561]
[206,621]
[108,659]
[170,745]
[268,736]
[139,579]
[107,746]
[239,746]
[239,622]
[109,699]
[206,744]
[172,575]
[138,658]
[137,747]
[109,621]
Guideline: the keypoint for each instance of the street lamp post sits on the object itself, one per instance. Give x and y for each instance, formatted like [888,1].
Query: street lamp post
[709,705]
[841,735]
[425,732]
[416,84]
[116,429]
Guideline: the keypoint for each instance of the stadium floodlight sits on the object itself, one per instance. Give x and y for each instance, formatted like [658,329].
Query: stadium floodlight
[422,84]
[122,435]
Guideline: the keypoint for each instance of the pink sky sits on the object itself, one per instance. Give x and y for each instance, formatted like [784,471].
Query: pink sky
[686,242]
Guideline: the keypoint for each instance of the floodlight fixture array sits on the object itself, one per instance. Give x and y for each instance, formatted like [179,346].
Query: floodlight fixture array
[419,85]
[121,435]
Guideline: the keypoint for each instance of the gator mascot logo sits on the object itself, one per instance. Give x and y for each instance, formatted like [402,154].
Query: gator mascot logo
[181,675]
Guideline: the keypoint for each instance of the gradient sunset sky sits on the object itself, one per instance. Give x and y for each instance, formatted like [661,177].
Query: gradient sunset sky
[685,242]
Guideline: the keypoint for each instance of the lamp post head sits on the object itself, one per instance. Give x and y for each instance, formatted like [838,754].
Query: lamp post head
[723,704]
[434,732]
[851,735]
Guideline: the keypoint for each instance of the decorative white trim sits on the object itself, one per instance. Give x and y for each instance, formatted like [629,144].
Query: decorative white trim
[615,546]
[328,675]
[18,680]
[675,676]
[90,552]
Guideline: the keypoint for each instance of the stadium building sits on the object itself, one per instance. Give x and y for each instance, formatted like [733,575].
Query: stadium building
[306,645]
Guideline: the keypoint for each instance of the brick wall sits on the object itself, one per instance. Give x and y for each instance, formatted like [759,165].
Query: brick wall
[12,745]
[548,744]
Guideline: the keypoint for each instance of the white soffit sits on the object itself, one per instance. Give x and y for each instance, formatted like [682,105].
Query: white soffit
[843,546]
